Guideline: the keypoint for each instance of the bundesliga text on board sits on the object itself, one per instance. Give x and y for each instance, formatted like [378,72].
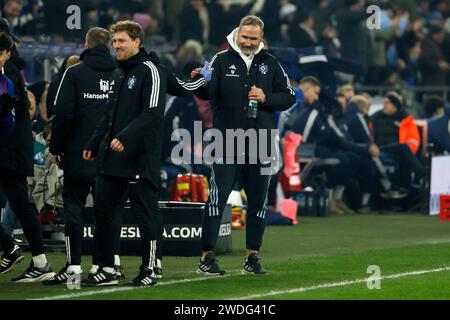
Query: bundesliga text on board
[171,232]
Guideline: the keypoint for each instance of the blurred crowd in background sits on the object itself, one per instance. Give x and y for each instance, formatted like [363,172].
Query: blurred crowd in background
[412,44]
[410,48]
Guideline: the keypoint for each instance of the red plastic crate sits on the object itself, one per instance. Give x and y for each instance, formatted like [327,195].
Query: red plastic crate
[444,210]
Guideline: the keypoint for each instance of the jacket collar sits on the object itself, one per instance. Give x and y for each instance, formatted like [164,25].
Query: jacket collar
[98,58]
[138,58]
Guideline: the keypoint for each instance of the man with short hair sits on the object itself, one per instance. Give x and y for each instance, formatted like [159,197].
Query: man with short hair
[318,126]
[438,117]
[242,74]
[11,11]
[434,107]
[439,132]
[395,132]
[127,145]
[80,102]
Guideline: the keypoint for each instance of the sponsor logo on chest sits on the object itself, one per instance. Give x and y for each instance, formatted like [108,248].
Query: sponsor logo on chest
[232,72]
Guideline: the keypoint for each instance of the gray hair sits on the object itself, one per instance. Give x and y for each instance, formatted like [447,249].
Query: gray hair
[360,101]
[97,35]
[252,21]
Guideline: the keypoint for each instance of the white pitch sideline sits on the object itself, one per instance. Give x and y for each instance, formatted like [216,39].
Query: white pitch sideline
[119,289]
[339,284]
[248,297]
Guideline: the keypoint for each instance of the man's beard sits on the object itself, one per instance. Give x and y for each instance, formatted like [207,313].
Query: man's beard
[248,51]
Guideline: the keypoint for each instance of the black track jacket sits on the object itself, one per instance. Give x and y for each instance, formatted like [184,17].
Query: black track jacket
[134,116]
[80,103]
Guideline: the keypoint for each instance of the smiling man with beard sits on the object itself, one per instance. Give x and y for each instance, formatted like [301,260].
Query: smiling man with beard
[247,86]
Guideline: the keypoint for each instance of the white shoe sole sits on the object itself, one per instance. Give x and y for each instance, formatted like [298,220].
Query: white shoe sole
[110,283]
[243,271]
[63,282]
[209,274]
[43,277]
[19,260]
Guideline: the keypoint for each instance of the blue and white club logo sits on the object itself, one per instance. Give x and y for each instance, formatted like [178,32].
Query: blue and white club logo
[263,69]
[131,82]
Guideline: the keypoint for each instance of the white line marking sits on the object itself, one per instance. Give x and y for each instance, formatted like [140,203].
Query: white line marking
[339,284]
[112,290]
[248,297]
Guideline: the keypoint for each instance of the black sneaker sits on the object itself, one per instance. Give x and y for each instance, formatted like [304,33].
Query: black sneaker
[209,267]
[10,260]
[395,193]
[252,265]
[119,272]
[34,274]
[90,278]
[145,278]
[158,272]
[101,278]
[63,276]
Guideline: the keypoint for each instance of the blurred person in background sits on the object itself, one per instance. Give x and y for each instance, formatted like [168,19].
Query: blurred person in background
[353,32]
[438,124]
[15,165]
[301,32]
[54,84]
[396,134]
[433,64]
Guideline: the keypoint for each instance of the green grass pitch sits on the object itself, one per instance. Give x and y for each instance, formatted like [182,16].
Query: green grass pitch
[320,258]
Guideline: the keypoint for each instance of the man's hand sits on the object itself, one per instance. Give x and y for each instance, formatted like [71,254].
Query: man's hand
[195,72]
[87,155]
[33,104]
[206,71]
[257,94]
[56,159]
[374,151]
[116,145]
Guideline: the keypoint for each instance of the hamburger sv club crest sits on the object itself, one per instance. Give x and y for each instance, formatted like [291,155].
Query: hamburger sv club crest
[263,68]
[131,82]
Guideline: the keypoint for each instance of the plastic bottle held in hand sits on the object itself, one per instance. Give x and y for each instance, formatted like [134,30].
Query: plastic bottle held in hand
[252,110]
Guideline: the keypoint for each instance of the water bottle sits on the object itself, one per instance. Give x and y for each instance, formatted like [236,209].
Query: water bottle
[252,110]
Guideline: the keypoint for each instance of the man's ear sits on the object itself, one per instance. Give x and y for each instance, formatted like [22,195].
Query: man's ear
[141,43]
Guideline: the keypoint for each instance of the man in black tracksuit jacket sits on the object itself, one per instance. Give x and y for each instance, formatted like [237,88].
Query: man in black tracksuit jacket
[127,145]
[80,102]
[244,72]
